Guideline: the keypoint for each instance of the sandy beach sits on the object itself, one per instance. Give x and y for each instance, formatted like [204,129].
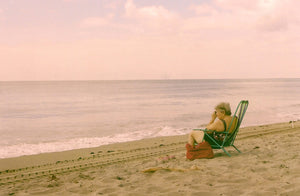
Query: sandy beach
[268,165]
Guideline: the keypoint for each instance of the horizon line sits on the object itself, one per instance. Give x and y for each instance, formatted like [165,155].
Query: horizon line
[90,80]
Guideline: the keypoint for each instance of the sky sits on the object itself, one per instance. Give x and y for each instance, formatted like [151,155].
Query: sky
[148,39]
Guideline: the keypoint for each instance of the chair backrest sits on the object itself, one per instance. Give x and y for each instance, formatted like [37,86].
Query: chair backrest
[235,123]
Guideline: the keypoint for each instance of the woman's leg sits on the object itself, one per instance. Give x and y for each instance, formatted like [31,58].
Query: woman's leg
[195,136]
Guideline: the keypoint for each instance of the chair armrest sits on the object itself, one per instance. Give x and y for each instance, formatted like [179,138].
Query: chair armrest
[204,130]
[221,131]
[199,129]
[207,130]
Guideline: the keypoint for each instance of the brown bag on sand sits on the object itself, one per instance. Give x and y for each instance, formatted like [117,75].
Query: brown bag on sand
[200,151]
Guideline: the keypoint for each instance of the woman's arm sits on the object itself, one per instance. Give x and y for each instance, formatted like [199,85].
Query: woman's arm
[215,125]
[211,125]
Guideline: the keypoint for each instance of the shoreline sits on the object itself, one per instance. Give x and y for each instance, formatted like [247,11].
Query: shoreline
[44,158]
[87,146]
[268,165]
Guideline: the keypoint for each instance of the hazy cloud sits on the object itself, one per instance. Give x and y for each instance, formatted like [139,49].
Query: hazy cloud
[264,15]
[113,4]
[204,9]
[91,22]
[272,23]
[151,19]
[237,4]
[150,12]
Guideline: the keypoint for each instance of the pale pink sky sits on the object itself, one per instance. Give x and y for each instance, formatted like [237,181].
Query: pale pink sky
[144,39]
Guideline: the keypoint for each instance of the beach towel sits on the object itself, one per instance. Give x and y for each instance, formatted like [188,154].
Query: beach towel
[200,151]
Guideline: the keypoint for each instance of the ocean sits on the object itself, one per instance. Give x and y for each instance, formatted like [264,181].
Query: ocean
[51,116]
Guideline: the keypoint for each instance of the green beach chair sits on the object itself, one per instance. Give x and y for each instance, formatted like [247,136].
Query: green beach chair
[232,130]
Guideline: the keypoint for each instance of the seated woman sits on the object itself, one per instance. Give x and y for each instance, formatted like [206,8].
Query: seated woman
[223,113]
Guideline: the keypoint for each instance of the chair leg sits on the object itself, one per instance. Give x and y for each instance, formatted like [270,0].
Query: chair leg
[226,152]
[236,148]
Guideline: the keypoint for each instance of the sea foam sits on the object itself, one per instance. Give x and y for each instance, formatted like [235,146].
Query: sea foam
[78,143]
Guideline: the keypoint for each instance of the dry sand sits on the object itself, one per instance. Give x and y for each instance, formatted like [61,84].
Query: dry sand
[268,165]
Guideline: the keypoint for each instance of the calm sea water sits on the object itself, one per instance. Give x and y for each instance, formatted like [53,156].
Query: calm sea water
[38,117]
